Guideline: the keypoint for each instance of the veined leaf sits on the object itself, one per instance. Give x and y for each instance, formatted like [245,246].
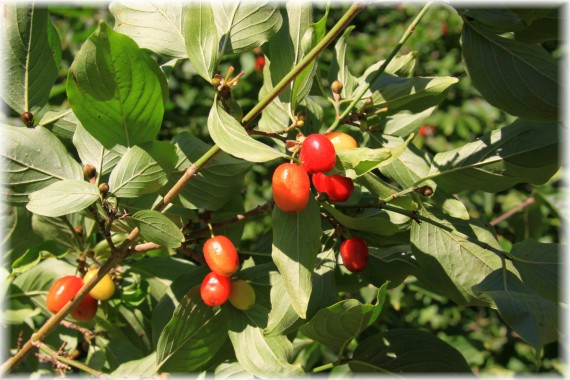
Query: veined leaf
[138,172]
[336,325]
[520,78]
[116,90]
[263,356]
[533,317]
[63,197]
[443,255]
[339,69]
[407,351]
[30,55]
[244,25]
[376,221]
[60,123]
[201,37]
[524,151]
[296,243]
[157,228]
[276,116]
[91,151]
[24,167]
[140,367]
[232,138]
[192,337]
[154,25]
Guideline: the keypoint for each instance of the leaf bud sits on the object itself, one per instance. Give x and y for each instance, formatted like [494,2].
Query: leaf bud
[337,86]
[215,81]
[103,189]
[28,119]
[89,171]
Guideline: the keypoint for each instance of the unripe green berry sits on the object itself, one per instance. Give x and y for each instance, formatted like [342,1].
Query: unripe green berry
[242,296]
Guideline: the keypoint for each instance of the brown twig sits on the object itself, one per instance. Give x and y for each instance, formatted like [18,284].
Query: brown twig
[521,206]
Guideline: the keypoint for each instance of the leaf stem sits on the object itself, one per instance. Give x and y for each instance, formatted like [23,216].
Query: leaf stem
[409,30]
[323,367]
[45,348]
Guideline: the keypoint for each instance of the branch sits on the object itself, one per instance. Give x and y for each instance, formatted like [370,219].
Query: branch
[521,206]
[124,250]
[366,86]
[59,358]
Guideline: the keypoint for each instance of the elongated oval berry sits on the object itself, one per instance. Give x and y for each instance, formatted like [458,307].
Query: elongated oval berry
[321,182]
[221,255]
[86,309]
[63,290]
[317,154]
[104,289]
[291,187]
[338,188]
[354,253]
[242,296]
[215,289]
[341,140]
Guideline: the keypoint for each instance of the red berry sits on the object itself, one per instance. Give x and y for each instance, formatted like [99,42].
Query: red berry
[259,63]
[317,154]
[63,290]
[215,289]
[221,255]
[338,188]
[291,187]
[427,130]
[354,253]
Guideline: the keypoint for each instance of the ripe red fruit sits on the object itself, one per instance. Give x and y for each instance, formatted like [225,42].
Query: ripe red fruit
[215,289]
[427,130]
[338,188]
[63,290]
[291,187]
[317,154]
[354,253]
[259,63]
[221,255]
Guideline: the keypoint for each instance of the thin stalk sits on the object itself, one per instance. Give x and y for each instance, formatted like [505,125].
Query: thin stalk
[45,348]
[124,251]
[376,75]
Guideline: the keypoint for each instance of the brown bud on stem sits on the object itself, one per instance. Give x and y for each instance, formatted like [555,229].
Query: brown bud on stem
[336,87]
[89,171]
[28,119]
[103,189]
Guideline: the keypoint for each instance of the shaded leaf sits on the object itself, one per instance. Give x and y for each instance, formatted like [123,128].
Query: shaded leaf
[373,220]
[91,151]
[339,69]
[153,25]
[30,54]
[63,197]
[157,228]
[201,38]
[520,78]
[407,351]
[296,243]
[139,367]
[116,90]
[60,123]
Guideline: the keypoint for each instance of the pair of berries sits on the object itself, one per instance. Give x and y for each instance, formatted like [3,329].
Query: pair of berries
[66,287]
[217,287]
[290,182]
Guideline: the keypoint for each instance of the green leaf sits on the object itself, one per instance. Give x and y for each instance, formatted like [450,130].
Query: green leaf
[157,228]
[407,351]
[245,26]
[336,325]
[382,190]
[542,29]
[324,292]
[201,38]
[521,79]
[216,183]
[263,356]
[192,337]
[449,263]
[275,117]
[296,243]
[534,318]
[91,151]
[63,197]
[30,57]
[372,220]
[25,168]
[501,20]
[403,123]
[232,138]
[116,90]
[144,367]
[363,160]
[155,26]
[524,151]
[31,257]
[339,69]
[18,235]
[282,317]
[538,265]
[393,264]
[60,123]
[138,172]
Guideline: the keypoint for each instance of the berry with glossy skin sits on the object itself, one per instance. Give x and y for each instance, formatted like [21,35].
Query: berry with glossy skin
[63,290]
[27,118]
[242,296]
[317,154]
[341,140]
[215,289]
[89,171]
[354,253]
[221,255]
[291,187]
[259,63]
[104,288]
[338,188]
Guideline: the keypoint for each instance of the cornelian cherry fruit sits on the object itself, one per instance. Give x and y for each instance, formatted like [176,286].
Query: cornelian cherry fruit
[221,255]
[354,253]
[341,140]
[291,187]
[63,290]
[215,289]
[338,188]
[104,289]
[317,154]
[242,296]
[259,63]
